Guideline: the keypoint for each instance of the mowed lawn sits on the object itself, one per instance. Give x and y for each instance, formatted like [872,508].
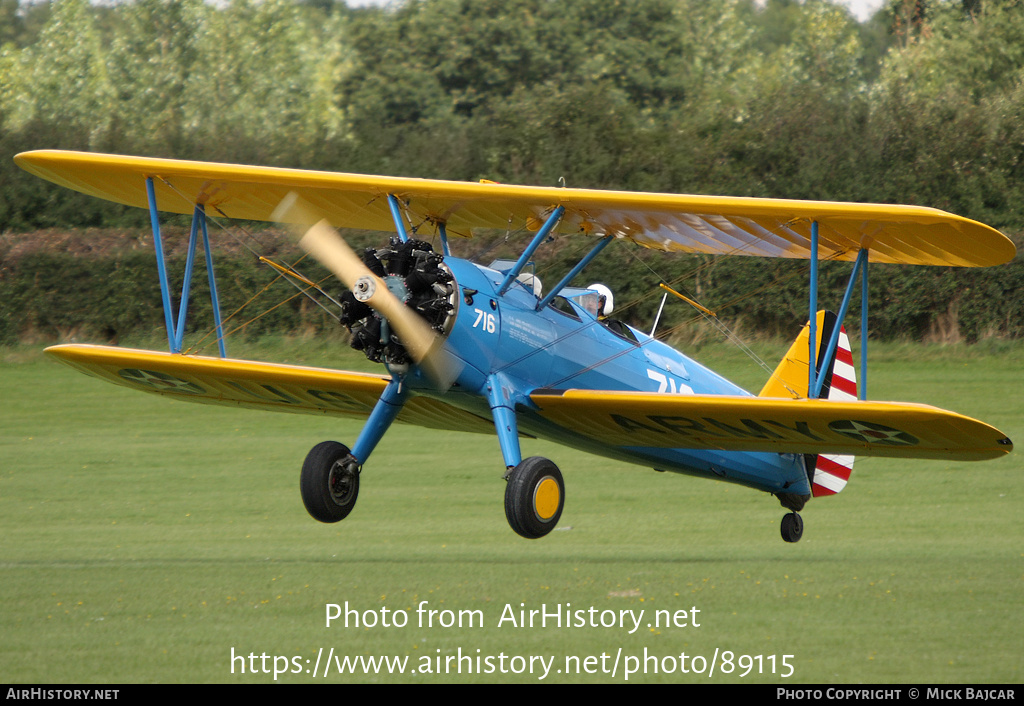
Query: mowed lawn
[145,540]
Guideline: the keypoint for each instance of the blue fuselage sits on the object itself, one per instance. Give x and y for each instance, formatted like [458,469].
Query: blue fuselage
[504,342]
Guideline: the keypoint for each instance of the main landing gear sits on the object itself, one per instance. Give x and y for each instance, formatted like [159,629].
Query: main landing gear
[534,497]
[535,491]
[329,481]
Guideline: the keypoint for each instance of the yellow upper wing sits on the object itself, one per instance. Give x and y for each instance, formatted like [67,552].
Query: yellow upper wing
[706,224]
[895,429]
[255,385]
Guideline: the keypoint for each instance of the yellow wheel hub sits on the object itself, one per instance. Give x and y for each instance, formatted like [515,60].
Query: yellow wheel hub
[546,498]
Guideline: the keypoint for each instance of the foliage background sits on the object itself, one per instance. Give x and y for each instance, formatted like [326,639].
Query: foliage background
[922,104]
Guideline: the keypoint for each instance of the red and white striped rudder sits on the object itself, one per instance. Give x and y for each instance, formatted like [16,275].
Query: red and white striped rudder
[831,473]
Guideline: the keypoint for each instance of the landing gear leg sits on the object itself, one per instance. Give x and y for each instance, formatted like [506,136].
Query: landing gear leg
[535,491]
[792,527]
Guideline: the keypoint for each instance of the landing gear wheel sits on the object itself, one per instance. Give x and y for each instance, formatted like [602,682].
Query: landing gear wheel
[792,527]
[329,482]
[534,497]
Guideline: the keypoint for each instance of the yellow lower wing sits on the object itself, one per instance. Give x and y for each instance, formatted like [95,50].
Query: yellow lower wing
[897,429]
[255,385]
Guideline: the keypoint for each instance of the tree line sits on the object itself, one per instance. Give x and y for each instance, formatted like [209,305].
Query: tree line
[922,104]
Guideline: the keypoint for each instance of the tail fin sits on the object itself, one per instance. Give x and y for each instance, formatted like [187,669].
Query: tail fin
[828,473]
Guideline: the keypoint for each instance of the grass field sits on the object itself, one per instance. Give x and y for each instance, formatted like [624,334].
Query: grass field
[145,540]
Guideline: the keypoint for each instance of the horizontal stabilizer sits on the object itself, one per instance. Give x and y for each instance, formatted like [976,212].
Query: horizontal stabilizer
[894,429]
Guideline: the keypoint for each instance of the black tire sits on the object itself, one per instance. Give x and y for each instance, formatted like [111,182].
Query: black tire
[329,485]
[534,497]
[792,527]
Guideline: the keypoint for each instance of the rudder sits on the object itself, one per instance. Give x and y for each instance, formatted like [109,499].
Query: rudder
[828,473]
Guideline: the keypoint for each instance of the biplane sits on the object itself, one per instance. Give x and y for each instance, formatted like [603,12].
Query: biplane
[487,349]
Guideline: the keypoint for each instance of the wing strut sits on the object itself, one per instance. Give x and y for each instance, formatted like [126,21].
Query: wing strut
[575,271]
[860,266]
[443,232]
[861,261]
[176,331]
[396,215]
[541,236]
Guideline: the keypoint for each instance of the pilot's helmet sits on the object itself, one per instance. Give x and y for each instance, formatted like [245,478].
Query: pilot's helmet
[606,298]
[531,281]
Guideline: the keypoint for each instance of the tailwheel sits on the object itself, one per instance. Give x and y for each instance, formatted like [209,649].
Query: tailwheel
[329,482]
[792,527]
[534,497]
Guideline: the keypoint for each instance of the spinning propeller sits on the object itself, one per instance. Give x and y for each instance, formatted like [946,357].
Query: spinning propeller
[422,343]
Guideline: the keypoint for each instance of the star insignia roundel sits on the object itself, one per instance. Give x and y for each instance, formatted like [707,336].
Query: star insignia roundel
[872,433]
[161,382]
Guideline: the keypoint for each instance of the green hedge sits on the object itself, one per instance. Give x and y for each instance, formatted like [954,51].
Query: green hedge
[58,296]
[61,296]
